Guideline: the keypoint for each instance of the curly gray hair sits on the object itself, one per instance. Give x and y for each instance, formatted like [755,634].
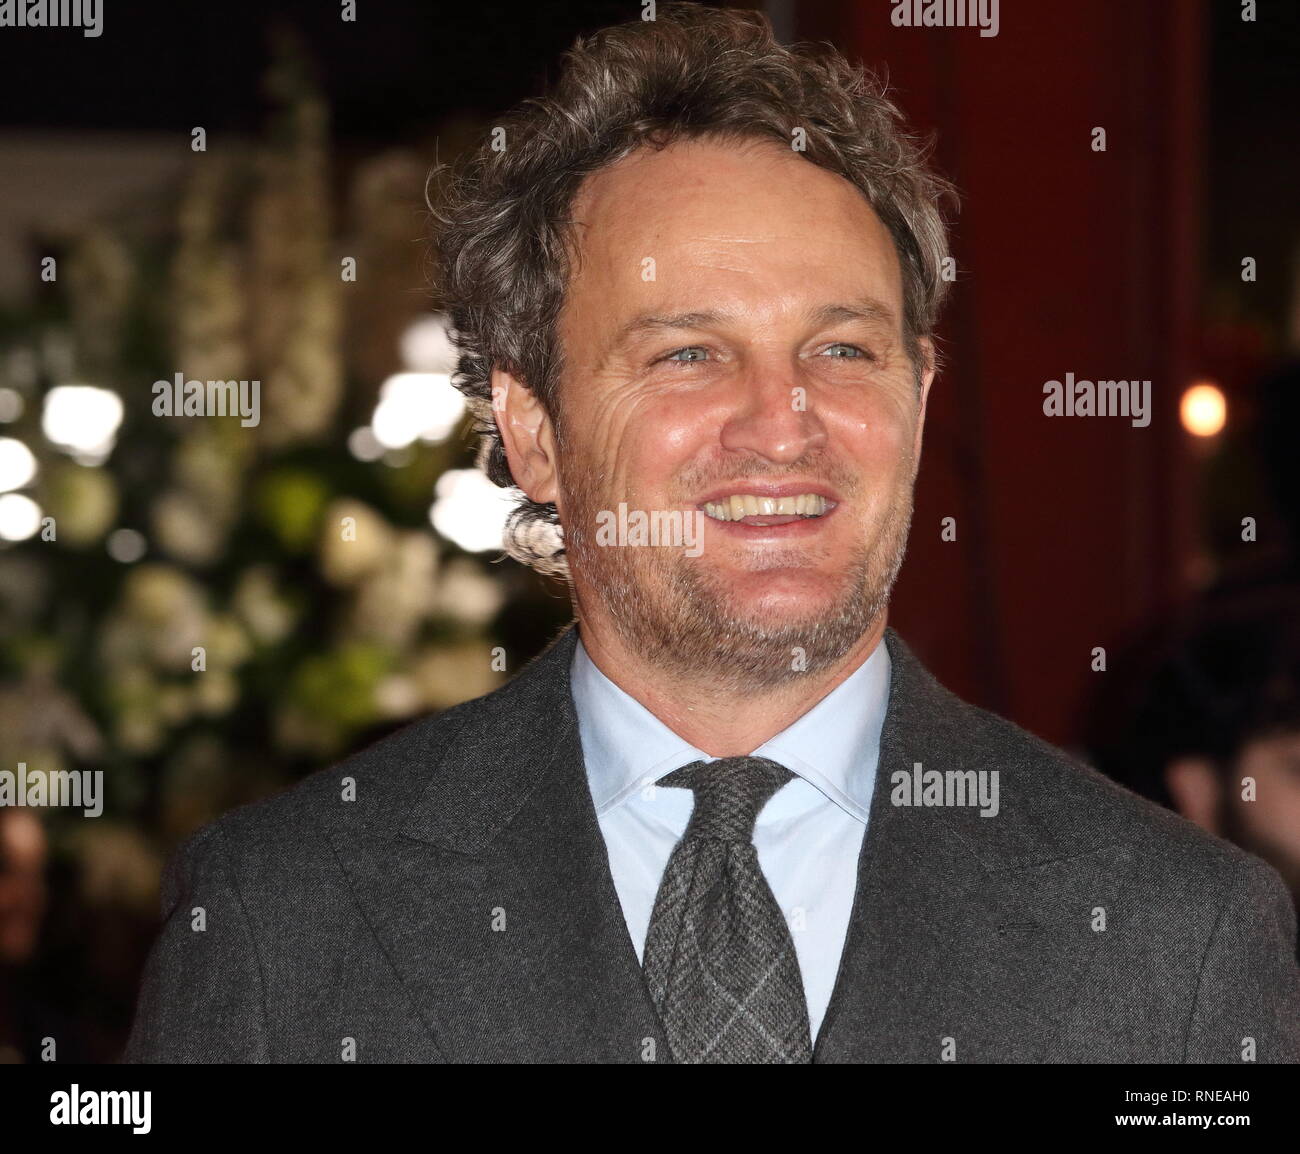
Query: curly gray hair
[502,242]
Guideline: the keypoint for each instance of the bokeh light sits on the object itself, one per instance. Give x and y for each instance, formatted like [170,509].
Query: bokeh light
[470,510]
[427,348]
[20,517]
[414,406]
[364,445]
[17,465]
[11,405]
[83,420]
[1203,409]
[126,546]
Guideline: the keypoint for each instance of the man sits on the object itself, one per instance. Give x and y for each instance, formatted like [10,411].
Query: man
[728,816]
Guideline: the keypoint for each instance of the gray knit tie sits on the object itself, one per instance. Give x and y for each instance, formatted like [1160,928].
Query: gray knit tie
[719,959]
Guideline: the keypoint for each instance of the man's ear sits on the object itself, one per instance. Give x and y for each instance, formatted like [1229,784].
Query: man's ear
[927,355]
[527,435]
[1194,785]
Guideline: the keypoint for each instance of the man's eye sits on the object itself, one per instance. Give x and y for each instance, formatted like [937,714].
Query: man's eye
[845,352]
[687,355]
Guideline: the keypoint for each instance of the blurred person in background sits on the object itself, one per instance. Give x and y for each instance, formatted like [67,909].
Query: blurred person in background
[36,1024]
[23,1020]
[1211,727]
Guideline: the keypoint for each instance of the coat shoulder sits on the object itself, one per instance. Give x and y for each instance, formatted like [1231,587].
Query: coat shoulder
[1075,792]
[1053,801]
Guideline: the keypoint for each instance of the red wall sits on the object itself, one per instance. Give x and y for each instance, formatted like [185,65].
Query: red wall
[1070,530]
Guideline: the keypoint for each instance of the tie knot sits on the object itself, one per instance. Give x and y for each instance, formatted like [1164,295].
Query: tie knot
[729,794]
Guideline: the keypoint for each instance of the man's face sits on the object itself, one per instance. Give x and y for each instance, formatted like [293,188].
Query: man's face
[732,328]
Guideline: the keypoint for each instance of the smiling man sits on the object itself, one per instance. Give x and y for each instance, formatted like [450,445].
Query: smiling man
[727,816]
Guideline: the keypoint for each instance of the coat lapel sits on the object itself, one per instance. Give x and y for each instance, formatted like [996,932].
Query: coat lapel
[494,901]
[969,934]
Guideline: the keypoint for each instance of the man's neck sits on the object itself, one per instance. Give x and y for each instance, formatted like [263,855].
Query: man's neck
[719,722]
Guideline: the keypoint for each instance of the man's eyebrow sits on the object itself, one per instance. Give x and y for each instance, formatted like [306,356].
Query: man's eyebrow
[653,322]
[866,309]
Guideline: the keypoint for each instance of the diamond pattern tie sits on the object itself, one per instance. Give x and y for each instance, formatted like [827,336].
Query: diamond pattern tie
[719,959]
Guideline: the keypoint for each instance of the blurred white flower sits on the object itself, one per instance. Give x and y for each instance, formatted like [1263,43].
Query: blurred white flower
[416,405]
[355,540]
[126,546]
[427,346]
[83,420]
[20,517]
[268,615]
[468,594]
[394,601]
[470,510]
[17,465]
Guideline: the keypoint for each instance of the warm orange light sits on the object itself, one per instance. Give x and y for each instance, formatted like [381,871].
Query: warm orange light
[1204,410]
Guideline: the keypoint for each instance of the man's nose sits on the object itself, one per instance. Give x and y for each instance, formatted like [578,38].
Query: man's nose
[773,416]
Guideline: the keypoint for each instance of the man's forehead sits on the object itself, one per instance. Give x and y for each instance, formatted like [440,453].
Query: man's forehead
[664,233]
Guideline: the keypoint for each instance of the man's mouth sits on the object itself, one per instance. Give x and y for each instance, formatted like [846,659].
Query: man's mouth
[755,509]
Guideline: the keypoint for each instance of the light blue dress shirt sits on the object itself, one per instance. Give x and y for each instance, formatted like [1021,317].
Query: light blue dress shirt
[808,836]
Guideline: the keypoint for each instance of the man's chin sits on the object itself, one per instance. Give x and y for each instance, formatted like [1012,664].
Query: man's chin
[768,643]
[779,621]
[785,604]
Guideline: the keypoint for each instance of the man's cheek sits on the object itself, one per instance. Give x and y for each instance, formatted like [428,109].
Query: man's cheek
[873,432]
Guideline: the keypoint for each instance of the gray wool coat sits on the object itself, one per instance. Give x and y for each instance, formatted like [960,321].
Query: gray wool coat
[460,908]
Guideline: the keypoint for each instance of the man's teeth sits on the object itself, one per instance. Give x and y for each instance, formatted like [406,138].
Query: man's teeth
[742,505]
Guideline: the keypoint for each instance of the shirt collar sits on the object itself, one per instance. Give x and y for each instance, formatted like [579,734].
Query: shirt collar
[835,746]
